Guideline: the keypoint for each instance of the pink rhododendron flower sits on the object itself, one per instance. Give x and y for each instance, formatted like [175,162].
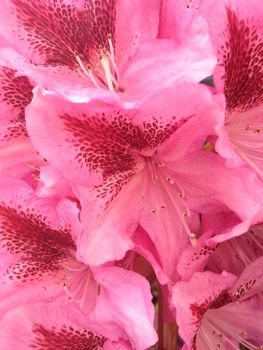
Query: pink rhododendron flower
[56,325]
[236,31]
[131,196]
[147,158]
[38,263]
[216,311]
[71,45]
[75,40]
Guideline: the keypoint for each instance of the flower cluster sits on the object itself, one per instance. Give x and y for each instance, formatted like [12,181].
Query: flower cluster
[131,169]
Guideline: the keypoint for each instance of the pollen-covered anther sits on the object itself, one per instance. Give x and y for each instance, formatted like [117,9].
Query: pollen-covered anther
[36,177]
[193,239]
[163,206]
[153,210]
[33,166]
[170,180]
[155,180]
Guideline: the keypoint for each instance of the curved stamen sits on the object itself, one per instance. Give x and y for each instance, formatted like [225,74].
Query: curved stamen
[159,175]
[219,324]
[87,72]
[105,71]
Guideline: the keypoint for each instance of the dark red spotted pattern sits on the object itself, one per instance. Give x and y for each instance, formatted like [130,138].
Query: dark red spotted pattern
[111,144]
[16,92]
[242,57]
[66,338]
[205,251]
[40,248]
[242,290]
[212,302]
[58,32]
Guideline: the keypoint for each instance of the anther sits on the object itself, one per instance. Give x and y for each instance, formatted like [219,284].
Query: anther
[33,166]
[163,206]
[193,239]
[155,180]
[170,180]
[36,177]
[154,210]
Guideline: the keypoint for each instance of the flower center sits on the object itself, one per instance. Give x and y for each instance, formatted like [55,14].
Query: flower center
[104,72]
[221,328]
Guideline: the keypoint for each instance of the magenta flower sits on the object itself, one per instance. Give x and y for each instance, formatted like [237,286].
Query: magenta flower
[70,45]
[39,264]
[236,30]
[56,325]
[219,311]
[147,159]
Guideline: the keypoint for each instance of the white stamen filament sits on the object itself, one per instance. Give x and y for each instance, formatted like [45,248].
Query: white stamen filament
[251,163]
[175,205]
[166,182]
[256,241]
[87,72]
[106,66]
[218,327]
[111,55]
[248,143]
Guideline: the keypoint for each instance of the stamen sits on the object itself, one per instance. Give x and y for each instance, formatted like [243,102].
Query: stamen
[87,72]
[106,66]
[175,205]
[224,325]
[193,239]
[251,163]
[112,57]
[33,166]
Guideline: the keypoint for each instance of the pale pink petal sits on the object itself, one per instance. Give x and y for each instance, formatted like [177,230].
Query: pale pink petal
[162,62]
[53,183]
[146,248]
[125,303]
[107,234]
[180,20]
[201,192]
[143,26]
